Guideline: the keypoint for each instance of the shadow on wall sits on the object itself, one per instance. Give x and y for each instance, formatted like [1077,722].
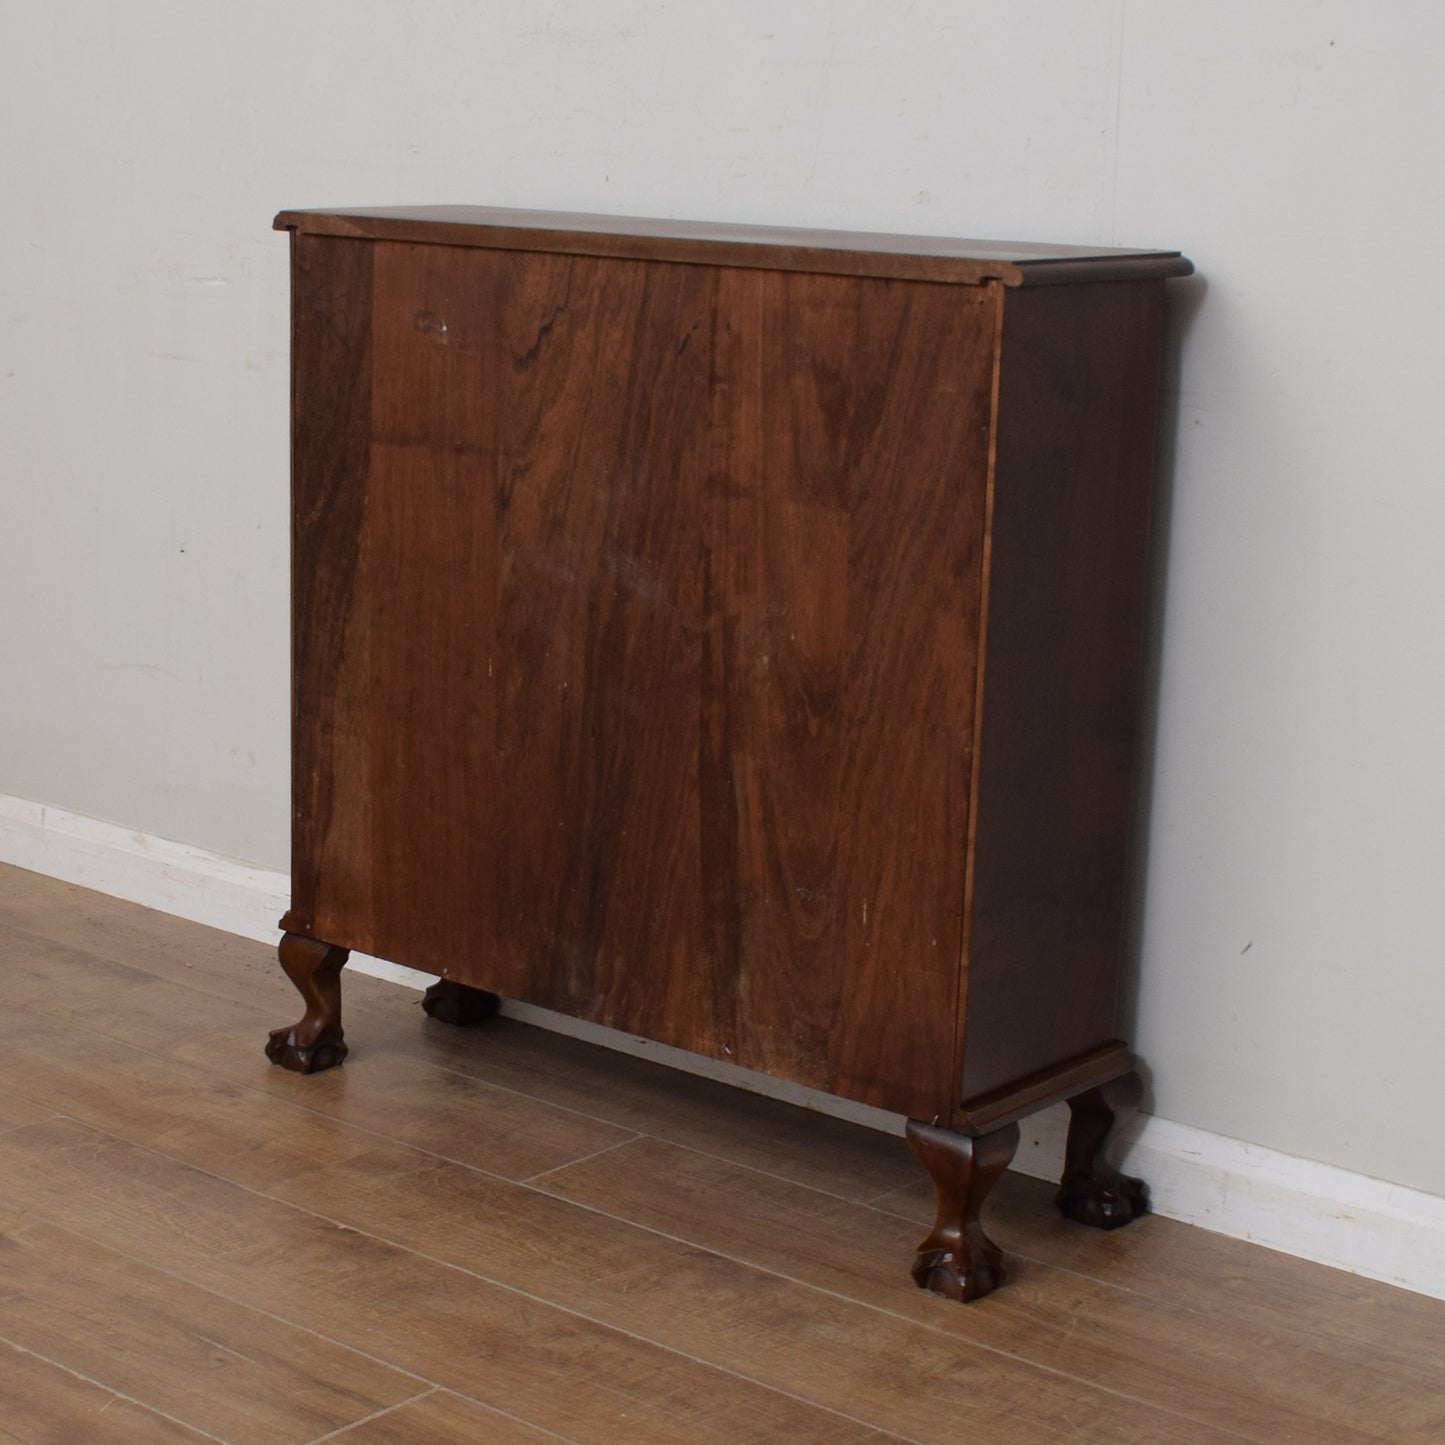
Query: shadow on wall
[1185,297]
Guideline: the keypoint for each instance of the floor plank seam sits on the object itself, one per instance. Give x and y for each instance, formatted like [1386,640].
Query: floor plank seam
[471,1274]
[942,1330]
[510,1415]
[860,1286]
[375,1415]
[592,1117]
[937,1329]
[591,1319]
[391,1139]
[853,1203]
[518,1093]
[472,1078]
[633,1135]
[595,1118]
[111,1390]
[285,1102]
[380,1135]
[531,1181]
[1198,1312]
[752,1168]
[915,1323]
[589,1209]
[875,1202]
[641,1133]
[1095,1279]
[298,1325]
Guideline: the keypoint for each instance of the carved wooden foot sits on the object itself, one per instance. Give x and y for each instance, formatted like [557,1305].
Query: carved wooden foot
[315,1042]
[1092,1190]
[958,1259]
[458,1003]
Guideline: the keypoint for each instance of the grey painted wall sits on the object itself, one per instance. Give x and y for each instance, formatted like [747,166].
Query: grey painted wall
[1290,981]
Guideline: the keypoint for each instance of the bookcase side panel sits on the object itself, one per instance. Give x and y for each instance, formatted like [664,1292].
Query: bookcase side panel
[1060,717]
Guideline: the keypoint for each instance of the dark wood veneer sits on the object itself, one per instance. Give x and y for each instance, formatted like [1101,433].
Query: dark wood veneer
[731,636]
[1069,553]
[773,248]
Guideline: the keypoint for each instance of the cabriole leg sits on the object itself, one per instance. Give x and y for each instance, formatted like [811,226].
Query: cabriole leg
[1092,1190]
[315,1042]
[958,1259]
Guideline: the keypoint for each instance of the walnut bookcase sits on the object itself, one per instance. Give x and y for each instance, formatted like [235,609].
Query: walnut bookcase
[732,636]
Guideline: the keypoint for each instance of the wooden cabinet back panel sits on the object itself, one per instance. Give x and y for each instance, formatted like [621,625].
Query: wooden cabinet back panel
[636,629]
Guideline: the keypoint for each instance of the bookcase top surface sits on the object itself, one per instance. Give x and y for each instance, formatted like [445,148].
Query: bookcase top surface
[717,243]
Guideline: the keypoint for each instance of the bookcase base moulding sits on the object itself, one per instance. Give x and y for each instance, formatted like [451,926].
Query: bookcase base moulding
[732,636]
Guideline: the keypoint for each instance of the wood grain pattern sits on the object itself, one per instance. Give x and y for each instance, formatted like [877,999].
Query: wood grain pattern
[652,1288]
[230,1371]
[1288,1334]
[212,1123]
[113,935]
[652,579]
[599,639]
[331,290]
[43,1404]
[1256,1373]
[441,1418]
[16,1113]
[500,1346]
[823,1153]
[1184,1335]
[845,555]
[759,1325]
[650,666]
[136,1079]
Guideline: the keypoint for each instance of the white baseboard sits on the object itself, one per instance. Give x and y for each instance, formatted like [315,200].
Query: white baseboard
[1316,1211]
[154,872]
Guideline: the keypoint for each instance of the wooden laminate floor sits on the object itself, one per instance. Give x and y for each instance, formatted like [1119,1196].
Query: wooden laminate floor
[500,1235]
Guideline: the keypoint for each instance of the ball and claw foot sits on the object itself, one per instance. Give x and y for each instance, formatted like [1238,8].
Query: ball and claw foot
[1103,1204]
[1092,1191]
[315,1041]
[459,1004]
[958,1260]
[938,1272]
[283,1048]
